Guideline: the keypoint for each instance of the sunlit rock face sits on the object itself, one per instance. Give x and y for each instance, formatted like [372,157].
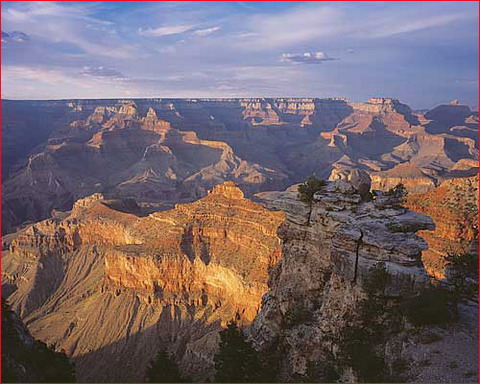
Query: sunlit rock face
[164,151]
[328,251]
[453,206]
[112,288]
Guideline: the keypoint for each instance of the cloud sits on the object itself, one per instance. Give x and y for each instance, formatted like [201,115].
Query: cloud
[206,31]
[166,30]
[294,26]
[55,23]
[62,82]
[15,36]
[102,72]
[311,23]
[105,49]
[390,26]
[306,58]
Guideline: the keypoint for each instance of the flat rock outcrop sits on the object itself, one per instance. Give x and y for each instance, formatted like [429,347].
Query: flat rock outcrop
[328,251]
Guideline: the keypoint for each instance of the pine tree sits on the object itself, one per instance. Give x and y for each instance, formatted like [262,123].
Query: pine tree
[308,189]
[25,359]
[163,369]
[237,361]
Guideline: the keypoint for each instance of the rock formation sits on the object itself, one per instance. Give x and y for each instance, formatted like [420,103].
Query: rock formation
[162,151]
[453,206]
[112,288]
[328,251]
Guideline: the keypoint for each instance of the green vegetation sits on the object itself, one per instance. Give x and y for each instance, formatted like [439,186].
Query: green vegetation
[163,369]
[429,307]
[462,277]
[399,191]
[237,361]
[465,264]
[365,331]
[436,305]
[25,362]
[297,314]
[308,189]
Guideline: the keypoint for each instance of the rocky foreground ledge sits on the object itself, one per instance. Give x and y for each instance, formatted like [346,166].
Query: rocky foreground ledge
[354,234]
[329,248]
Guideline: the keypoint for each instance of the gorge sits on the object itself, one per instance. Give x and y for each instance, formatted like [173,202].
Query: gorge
[132,226]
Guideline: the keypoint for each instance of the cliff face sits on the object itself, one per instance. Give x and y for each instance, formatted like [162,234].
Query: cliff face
[453,206]
[112,288]
[328,251]
[164,151]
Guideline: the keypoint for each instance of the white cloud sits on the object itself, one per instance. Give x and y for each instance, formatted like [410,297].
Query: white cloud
[102,71]
[293,27]
[206,31]
[391,25]
[166,30]
[93,43]
[61,82]
[321,23]
[306,58]
[57,23]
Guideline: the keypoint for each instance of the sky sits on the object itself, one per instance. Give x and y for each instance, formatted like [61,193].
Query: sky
[423,53]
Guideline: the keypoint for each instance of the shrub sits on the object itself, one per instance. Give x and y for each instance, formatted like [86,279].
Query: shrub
[398,191]
[462,277]
[24,358]
[297,314]
[308,189]
[163,369]
[465,264]
[365,332]
[428,307]
[237,361]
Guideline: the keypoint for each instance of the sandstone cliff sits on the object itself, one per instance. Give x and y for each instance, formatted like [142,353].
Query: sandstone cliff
[112,288]
[453,206]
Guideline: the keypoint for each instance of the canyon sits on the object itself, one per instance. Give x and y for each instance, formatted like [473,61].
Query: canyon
[110,287]
[131,226]
[164,151]
[453,205]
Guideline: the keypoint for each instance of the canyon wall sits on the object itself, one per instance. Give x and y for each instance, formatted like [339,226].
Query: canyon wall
[112,288]
[164,151]
[453,206]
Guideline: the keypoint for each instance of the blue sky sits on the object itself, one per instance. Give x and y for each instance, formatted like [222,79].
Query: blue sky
[424,53]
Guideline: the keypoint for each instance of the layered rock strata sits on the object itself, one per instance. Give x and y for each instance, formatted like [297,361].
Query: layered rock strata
[164,151]
[453,206]
[111,288]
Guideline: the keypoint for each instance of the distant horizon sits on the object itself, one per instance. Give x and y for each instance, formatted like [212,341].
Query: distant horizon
[414,108]
[424,53]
